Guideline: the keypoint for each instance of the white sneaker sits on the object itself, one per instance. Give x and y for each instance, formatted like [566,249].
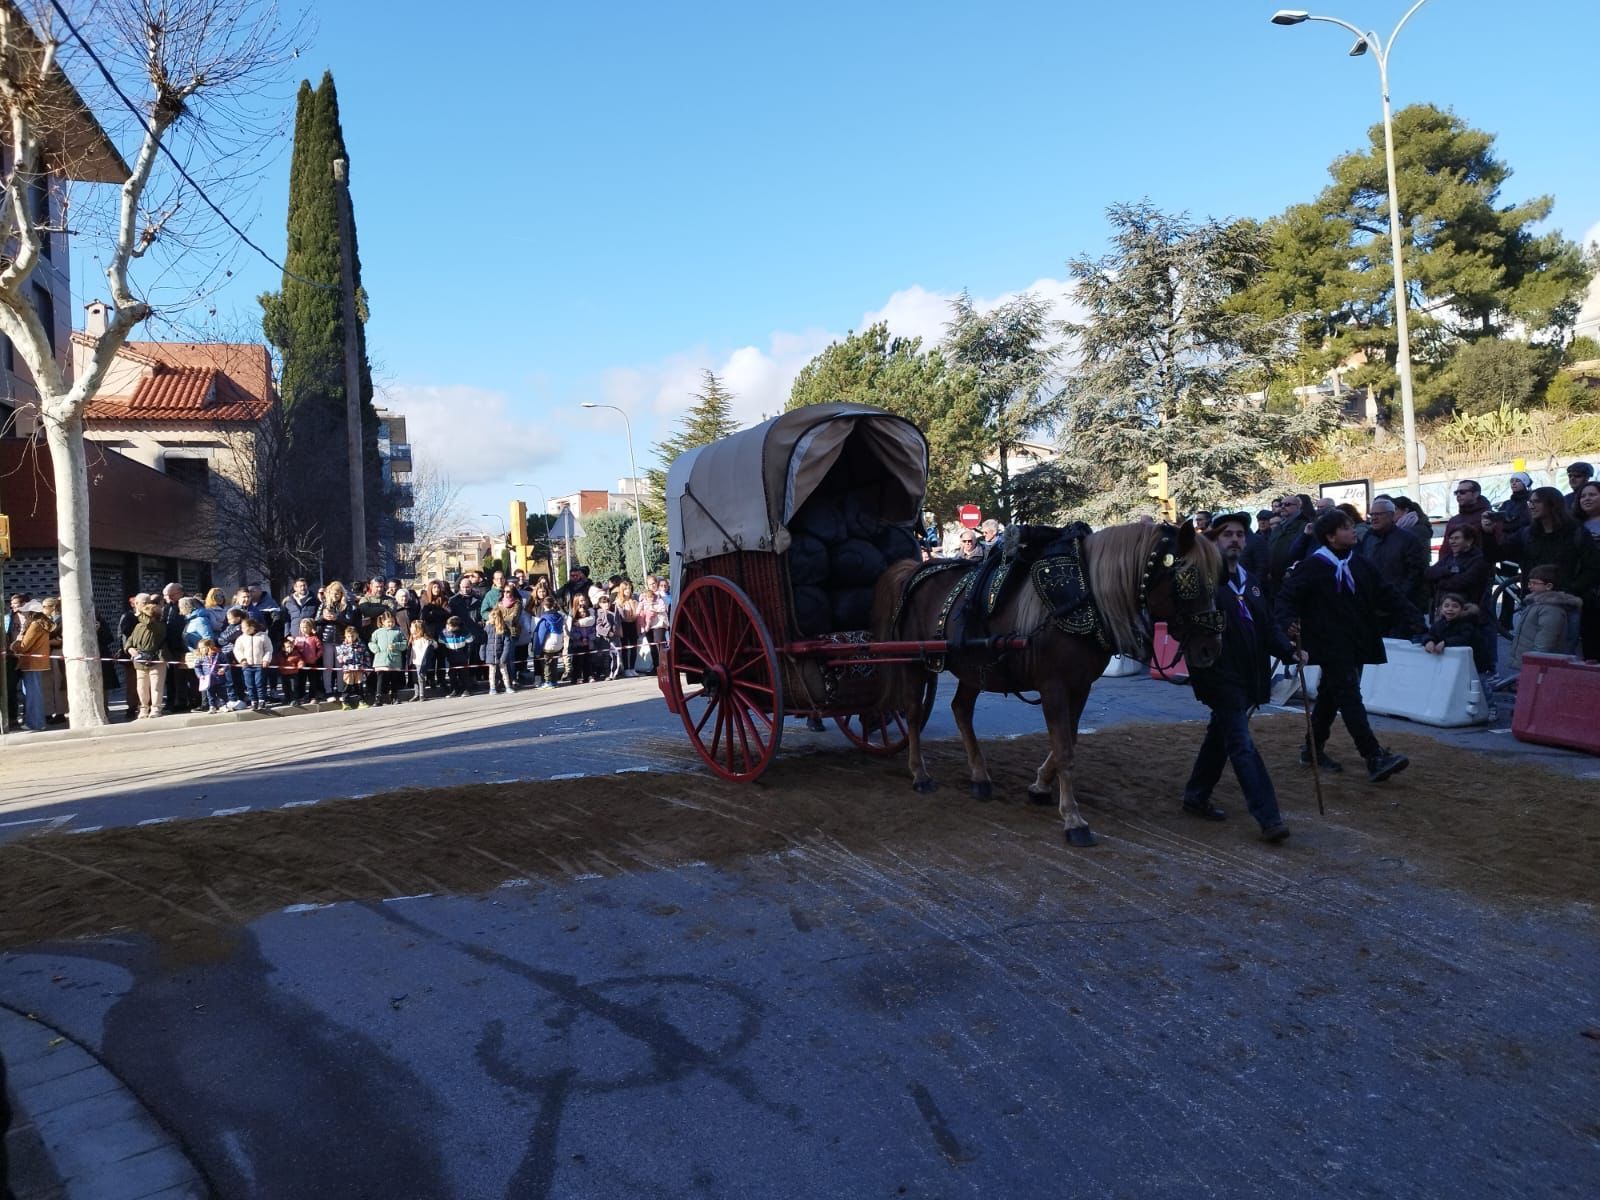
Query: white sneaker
[238,706]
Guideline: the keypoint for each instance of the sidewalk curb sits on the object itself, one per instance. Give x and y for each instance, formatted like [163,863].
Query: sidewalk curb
[16,738]
[100,1139]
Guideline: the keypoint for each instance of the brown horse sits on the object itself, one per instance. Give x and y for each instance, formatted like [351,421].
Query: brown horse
[1132,570]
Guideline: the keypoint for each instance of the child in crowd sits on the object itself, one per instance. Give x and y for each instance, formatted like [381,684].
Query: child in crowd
[422,655]
[549,639]
[499,648]
[252,650]
[290,670]
[351,660]
[457,642]
[607,631]
[309,647]
[1547,622]
[211,675]
[232,628]
[388,646]
[580,639]
[1455,625]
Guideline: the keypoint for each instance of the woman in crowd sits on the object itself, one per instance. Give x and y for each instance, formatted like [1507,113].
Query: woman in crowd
[216,610]
[32,650]
[1413,520]
[1552,538]
[144,647]
[627,608]
[196,625]
[1466,574]
[435,610]
[653,618]
[55,683]
[334,617]
[1515,506]
[1588,581]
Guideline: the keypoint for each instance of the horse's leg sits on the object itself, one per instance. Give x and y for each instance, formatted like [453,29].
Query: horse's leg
[966,700]
[1062,708]
[1042,789]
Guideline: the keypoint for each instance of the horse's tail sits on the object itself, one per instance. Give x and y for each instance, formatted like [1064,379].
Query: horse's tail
[887,595]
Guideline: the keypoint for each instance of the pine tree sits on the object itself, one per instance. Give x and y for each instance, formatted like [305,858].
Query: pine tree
[304,321]
[708,419]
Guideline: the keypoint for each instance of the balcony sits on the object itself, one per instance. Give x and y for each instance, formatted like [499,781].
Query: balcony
[400,456]
[402,496]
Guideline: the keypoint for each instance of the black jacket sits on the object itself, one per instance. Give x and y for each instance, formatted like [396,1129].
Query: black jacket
[1241,676]
[1515,509]
[1254,556]
[1400,558]
[1342,630]
[1468,575]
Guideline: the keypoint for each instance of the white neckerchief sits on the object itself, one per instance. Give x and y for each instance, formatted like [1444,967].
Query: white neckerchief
[1343,580]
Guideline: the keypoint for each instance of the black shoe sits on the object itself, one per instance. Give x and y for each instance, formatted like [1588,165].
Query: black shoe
[1275,833]
[1384,764]
[1330,765]
[1205,812]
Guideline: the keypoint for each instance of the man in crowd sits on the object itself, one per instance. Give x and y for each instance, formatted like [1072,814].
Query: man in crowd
[1578,474]
[1470,507]
[492,596]
[181,694]
[464,604]
[970,546]
[299,605]
[1339,606]
[577,584]
[1233,687]
[1202,521]
[1399,557]
[991,530]
[372,605]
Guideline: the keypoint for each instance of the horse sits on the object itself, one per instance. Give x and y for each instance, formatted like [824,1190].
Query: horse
[1134,573]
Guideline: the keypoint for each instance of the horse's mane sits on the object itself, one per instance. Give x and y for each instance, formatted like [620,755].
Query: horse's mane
[1117,557]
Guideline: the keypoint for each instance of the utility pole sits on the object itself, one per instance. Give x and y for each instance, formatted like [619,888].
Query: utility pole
[352,375]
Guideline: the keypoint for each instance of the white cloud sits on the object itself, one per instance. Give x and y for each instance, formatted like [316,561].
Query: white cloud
[471,434]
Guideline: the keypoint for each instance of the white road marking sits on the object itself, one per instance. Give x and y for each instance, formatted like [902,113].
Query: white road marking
[87,829]
[158,821]
[632,770]
[303,908]
[230,812]
[571,775]
[517,883]
[47,822]
[300,803]
[586,875]
[397,899]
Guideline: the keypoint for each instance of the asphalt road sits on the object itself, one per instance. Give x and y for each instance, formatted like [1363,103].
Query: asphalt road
[1165,1016]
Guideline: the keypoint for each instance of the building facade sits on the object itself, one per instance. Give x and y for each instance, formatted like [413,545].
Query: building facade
[396,548]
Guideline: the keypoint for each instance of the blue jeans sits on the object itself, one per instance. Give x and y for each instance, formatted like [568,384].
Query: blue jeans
[32,699]
[1228,740]
[252,685]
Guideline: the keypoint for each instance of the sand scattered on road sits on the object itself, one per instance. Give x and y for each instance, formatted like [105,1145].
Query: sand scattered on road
[1497,829]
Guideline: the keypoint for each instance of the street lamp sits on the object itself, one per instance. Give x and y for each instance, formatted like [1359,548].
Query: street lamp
[1380,53]
[638,512]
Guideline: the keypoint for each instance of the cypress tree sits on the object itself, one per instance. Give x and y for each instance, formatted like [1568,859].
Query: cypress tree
[304,321]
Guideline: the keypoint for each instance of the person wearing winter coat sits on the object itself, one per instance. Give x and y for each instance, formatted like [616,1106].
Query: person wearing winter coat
[549,641]
[1470,507]
[252,650]
[333,617]
[457,642]
[1456,625]
[1234,686]
[499,647]
[388,647]
[352,660]
[1553,538]
[146,646]
[299,605]
[1545,622]
[422,657]
[1400,558]
[32,650]
[1514,508]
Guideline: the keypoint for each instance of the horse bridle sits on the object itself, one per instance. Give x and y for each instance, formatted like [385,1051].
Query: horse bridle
[1187,585]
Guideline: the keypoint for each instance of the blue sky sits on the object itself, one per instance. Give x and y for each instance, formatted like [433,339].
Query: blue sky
[568,202]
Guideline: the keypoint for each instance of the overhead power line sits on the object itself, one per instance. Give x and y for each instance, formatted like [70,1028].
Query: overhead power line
[172,158]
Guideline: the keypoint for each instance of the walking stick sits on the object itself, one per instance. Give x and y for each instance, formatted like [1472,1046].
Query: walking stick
[1311,740]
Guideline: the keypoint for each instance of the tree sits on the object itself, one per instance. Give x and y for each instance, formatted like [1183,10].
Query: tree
[1492,373]
[436,510]
[1163,362]
[1473,265]
[259,527]
[195,57]
[1582,348]
[1009,357]
[603,546]
[655,548]
[896,374]
[709,418]
[304,320]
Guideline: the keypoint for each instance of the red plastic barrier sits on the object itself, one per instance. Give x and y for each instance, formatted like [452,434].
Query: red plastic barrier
[1166,650]
[1557,702]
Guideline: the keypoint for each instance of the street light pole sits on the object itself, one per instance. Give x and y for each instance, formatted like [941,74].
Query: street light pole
[1380,53]
[638,511]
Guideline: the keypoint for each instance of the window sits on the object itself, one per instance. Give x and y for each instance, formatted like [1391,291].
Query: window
[195,472]
[45,305]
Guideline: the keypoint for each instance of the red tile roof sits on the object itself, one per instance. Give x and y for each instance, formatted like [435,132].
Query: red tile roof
[188,381]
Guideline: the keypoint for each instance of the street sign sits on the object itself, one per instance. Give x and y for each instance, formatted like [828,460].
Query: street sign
[969,515]
[566,527]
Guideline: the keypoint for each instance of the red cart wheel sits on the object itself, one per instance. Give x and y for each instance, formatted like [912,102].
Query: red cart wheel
[724,681]
[886,733]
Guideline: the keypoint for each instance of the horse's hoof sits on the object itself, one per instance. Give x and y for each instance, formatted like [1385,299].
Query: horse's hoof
[925,785]
[1045,797]
[983,790]
[1081,836]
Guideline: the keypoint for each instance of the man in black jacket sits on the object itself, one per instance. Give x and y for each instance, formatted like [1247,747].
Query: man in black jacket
[299,605]
[1237,684]
[1400,558]
[1341,606]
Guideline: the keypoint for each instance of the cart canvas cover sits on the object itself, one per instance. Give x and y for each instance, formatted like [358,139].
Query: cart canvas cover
[740,493]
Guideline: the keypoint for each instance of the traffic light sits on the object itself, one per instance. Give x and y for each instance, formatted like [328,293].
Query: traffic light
[1156,476]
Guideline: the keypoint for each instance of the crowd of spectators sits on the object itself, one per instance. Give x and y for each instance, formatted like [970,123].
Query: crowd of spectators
[491,634]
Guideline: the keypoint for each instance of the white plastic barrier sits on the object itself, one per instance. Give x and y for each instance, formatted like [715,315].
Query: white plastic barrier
[1121,664]
[1435,689]
[1286,688]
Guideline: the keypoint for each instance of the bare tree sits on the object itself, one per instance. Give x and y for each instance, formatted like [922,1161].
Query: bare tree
[262,530]
[191,58]
[436,511]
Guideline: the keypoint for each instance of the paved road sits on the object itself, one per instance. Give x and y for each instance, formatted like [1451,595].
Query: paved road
[1180,1013]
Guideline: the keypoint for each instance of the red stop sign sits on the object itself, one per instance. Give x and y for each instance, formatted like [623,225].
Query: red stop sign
[969,515]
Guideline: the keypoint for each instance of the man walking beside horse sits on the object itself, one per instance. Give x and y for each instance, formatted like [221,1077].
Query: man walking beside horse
[1234,686]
